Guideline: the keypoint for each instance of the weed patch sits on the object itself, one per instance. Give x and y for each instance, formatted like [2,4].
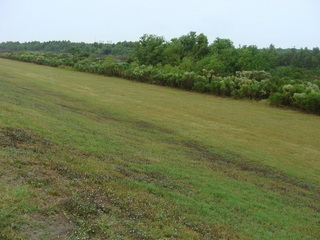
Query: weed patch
[19,138]
[86,203]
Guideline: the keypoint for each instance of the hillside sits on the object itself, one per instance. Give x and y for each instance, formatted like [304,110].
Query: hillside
[90,157]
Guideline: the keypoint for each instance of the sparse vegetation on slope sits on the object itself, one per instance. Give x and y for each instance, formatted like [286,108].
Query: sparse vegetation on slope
[89,157]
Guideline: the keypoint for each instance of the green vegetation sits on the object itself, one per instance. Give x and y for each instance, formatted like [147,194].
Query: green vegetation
[119,49]
[91,157]
[283,77]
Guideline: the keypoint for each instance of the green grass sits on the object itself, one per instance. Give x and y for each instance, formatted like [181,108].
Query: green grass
[90,157]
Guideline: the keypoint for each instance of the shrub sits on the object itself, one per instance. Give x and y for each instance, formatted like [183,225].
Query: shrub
[276,99]
[254,75]
[201,86]
[312,103]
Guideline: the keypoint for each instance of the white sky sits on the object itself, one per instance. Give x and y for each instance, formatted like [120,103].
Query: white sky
[284,23]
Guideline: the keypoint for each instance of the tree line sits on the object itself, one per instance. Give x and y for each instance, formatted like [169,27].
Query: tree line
[193,52]
[190,51]
[118,49]
[284,77]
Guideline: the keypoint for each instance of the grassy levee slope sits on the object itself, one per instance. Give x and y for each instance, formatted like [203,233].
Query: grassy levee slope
[90,157]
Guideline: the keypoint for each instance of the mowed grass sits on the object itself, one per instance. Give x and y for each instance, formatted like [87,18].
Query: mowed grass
[89,157]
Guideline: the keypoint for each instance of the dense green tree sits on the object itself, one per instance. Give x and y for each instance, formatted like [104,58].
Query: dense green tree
[272,56]
[173,52]
[150,49]
[201,48]
[212,62]
[225,56]
[188,43]
[250,58]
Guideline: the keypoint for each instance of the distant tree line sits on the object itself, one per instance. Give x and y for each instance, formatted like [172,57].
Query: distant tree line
[190,52]
[284,77]
[117,49]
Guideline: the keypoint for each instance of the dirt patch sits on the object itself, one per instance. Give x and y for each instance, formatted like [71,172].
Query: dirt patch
[153,177]
[14,137]
[217,231]
[50,227]
[87,202]
[5,140]
[19,138]
[85,177]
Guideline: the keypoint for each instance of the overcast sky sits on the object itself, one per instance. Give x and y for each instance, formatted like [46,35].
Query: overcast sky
[284,23]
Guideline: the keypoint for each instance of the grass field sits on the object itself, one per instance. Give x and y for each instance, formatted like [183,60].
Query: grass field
[90,157]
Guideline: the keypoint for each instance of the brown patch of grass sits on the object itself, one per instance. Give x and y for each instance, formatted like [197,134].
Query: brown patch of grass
[153,177]
[55,226]
[19,138]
